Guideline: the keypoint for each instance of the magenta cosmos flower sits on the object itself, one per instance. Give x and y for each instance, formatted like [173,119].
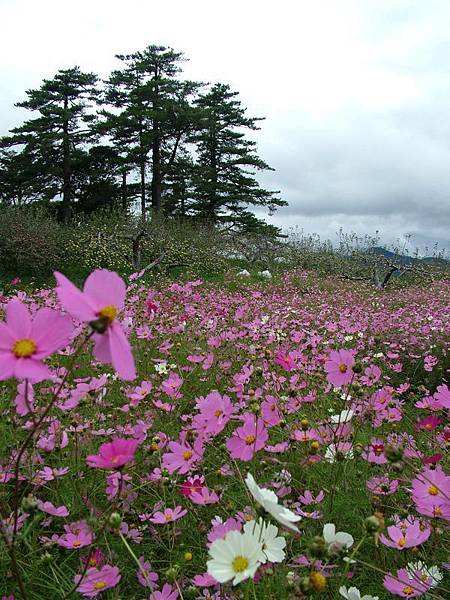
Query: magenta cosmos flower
[167,593]
[102,299]
[168,516]
[25,342]
[405,585]
[113,455]
[339,367]
[97,581]
[402,538]
[247,439]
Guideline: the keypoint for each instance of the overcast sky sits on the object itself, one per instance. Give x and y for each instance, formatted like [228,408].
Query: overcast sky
[356,93]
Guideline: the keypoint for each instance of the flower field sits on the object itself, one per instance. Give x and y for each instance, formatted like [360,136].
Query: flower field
[275,439]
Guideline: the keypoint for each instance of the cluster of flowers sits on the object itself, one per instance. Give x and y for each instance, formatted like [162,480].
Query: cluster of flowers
[280,364]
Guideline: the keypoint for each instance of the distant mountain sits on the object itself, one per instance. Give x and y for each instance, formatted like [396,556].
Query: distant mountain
[404,259]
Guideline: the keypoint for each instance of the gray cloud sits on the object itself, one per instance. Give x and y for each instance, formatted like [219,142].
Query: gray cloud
[355,93]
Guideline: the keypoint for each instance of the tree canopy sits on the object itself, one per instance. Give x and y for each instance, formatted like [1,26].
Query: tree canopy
[178,147]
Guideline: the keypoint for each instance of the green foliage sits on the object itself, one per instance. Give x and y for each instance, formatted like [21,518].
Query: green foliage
[29,242]
[148,135]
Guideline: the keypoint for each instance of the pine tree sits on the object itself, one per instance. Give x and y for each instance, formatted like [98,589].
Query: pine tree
[224,176]
[54,139]
[151,115]
[23,180]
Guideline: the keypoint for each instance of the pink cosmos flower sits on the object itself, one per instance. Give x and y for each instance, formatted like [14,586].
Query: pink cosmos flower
[431,482]
[285,361]
[96,581]
[339,367]
[182,456]
[406,537]
[75,541]
[204,496]
[171,386]
[371,375]
[168,516]
[24,400]
[140,392]
[51,509]
[220,529]
[374,453]
[192,484]
[404,585]
[113,455]
[95,559]
[215,412]
[308,498]
[167,593]
[428,423]
[102,299]
[431,492]
[383,486]
[145,575]
[442,395]
[247,439]
[25,342]
[270,412]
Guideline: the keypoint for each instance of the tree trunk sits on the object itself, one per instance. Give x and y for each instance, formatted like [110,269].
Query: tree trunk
[142,171]
[124,191]
[156,155]
[211,208]
[156,178]
[67,171]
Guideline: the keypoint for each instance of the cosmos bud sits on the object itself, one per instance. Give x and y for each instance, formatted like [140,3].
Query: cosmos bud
[29,503]
[317,547]
[115,520]
[393,453]
[172,573]
[374,523]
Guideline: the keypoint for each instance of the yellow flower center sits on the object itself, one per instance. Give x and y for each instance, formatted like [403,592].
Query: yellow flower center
[428,426]
[433,490]
[100,585]
[240,563]
[250,439]
[318,581]
[408,590]
[401,542]
[109,312]
[187,455]
[76,544]
[218,413]
[343,368]
[24,348]
[437,512]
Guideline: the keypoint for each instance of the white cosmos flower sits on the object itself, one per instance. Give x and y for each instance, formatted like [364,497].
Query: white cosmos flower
[334,449]
[267,534]
[235,557]
[354,594]
[429,572]
[336,539]
[343,417]
[269,501]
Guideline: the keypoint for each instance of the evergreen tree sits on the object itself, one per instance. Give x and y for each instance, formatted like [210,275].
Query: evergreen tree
[22,179]
[152,115]
[53,141]
[224,177]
